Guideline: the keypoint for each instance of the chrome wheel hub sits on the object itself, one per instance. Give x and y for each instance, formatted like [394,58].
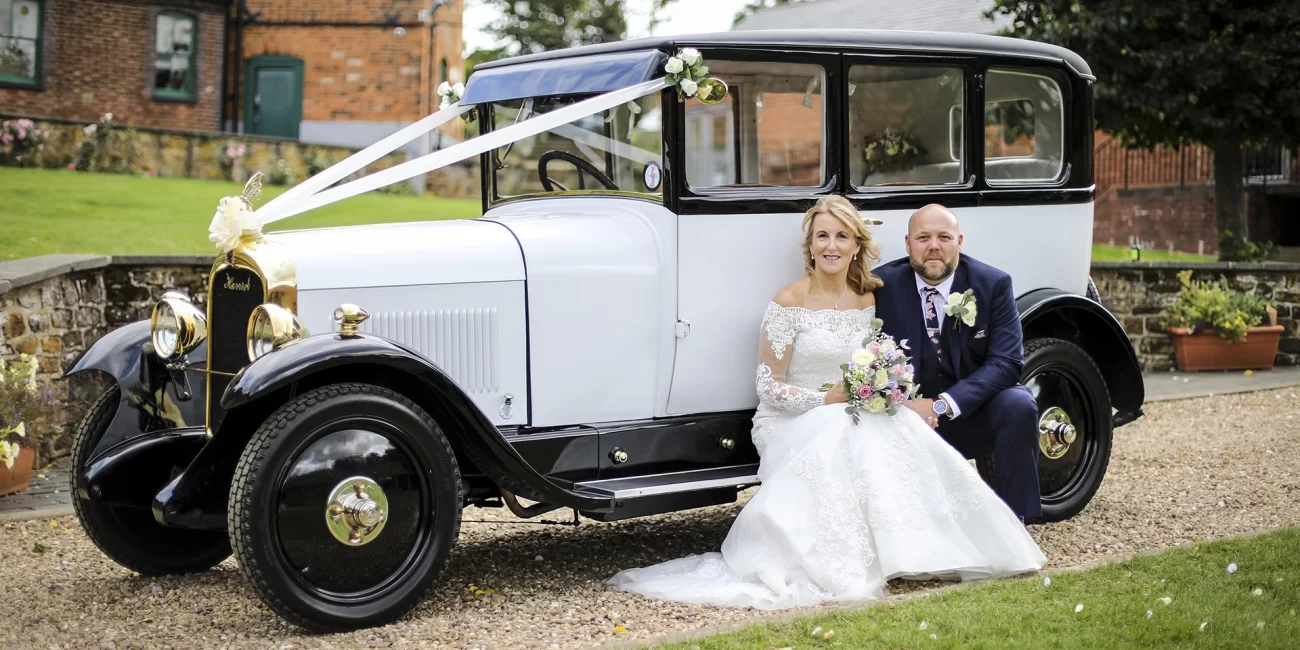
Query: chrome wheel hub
[1055,432]
[356,511]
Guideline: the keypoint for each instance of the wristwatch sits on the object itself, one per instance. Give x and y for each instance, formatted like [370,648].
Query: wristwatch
[940,407]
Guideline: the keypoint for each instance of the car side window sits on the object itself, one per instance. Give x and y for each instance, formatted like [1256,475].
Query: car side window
[1024,127]
[905,125]
[768,131]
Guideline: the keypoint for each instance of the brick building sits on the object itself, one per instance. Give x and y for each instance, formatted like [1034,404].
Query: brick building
[329,72]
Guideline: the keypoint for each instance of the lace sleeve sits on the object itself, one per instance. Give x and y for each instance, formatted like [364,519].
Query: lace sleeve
[778,331]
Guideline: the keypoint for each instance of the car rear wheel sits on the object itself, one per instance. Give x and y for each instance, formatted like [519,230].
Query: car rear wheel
[345,507]
[131,536]
[1075,426]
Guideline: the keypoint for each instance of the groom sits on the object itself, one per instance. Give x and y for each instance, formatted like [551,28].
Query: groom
[969,374]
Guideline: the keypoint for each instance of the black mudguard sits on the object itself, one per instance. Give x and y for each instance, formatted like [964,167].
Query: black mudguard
[467,428]
[1060,314]
[152,398]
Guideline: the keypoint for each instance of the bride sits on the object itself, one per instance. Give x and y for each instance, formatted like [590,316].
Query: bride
[843,508]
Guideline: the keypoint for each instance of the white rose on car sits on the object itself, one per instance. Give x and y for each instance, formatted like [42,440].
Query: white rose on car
[689,87]
[231,223]
[674,65]
[458,90]
[691,56]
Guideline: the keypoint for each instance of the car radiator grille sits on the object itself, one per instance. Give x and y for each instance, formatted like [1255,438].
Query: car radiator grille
[463,342]
[234,294]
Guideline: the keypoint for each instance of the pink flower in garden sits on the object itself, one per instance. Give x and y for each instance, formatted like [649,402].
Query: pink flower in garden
[6,138]
[22,133]
[864,392]
[40,147]
[26,124]
[72,166]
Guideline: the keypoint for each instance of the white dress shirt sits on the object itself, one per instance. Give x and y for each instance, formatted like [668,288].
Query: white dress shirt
[940,300]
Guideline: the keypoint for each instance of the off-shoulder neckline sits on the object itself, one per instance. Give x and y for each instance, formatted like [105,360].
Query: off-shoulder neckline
[822,311]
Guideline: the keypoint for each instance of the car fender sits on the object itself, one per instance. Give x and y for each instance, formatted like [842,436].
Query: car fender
[467,428]
[1061,314]
[150,399]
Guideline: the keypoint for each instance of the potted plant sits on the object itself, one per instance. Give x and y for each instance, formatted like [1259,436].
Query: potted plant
[1217,328]
[20,404]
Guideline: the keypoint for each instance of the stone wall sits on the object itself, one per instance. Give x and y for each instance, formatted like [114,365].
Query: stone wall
[55,306]
[1136,292]
[198,154]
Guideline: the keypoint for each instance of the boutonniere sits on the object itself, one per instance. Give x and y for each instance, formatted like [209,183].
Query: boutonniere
[962,306]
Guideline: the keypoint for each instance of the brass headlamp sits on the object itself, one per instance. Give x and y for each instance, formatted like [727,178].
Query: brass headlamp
[177,326]
[271,327]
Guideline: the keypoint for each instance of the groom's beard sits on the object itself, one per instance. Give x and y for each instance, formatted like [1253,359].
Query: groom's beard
[920,269]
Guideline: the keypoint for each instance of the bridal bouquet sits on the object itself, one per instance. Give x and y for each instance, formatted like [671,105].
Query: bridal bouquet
[879,377]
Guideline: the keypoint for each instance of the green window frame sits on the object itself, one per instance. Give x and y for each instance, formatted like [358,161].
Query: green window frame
[21,41]
[165,83]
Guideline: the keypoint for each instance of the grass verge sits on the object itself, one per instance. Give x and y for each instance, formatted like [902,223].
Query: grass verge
[1123,607]
[46,211]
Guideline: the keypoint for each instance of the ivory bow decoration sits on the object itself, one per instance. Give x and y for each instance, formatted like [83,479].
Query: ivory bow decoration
[235,223]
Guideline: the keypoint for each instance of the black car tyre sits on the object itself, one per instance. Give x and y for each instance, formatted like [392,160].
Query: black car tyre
[131,536]
[284,491]
[1065,380]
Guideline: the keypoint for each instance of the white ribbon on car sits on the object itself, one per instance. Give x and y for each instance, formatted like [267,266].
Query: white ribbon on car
[309,195]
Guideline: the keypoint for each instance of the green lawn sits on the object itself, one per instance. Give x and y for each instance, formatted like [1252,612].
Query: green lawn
[1255,607]
[45,211]
[1103,253]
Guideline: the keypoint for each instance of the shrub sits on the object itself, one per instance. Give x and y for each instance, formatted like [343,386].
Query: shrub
[1206,305]
[21,402]
[20,142]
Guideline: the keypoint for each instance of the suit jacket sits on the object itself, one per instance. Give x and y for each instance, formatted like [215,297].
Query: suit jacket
[986,357]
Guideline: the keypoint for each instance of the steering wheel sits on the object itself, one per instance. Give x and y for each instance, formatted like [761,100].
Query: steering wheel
[582,165]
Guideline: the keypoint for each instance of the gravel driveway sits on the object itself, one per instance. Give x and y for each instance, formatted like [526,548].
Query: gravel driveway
[1189,470]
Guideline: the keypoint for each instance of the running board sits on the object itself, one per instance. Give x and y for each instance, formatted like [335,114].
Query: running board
[670,483]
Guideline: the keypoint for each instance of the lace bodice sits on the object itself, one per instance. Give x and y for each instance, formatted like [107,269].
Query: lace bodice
[803,349]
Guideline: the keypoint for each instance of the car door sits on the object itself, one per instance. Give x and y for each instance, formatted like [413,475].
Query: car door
[753,164]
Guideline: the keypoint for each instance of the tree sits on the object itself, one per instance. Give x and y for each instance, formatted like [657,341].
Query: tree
[531,26]
[1225,73]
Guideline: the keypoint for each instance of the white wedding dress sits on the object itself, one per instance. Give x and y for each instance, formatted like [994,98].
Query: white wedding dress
[842,508]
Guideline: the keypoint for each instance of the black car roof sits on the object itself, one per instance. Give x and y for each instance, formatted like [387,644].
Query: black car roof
[826,39]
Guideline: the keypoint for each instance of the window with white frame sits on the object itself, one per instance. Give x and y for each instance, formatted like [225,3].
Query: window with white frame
[20,41]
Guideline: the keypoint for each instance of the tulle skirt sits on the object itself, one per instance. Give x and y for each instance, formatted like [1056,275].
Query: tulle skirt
[843,509]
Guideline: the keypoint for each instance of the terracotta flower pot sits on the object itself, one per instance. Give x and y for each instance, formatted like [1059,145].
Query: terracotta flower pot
[15,479]
[1206,351]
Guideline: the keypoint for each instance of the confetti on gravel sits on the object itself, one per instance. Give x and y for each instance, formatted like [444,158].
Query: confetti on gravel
[60,591]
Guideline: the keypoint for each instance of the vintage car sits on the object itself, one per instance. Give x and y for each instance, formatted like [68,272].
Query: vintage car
[590,343]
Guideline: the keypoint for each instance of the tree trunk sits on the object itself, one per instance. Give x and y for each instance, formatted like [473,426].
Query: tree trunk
[1230,199]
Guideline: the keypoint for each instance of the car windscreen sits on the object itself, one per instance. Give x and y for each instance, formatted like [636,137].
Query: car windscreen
[614,152]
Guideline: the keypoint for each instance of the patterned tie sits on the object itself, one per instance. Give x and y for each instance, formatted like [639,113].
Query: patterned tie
[932,319]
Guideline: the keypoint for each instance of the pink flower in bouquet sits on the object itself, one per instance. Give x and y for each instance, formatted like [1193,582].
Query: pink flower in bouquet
[896,370]
[909,369]
[897,396]
[874,347]
[864,391]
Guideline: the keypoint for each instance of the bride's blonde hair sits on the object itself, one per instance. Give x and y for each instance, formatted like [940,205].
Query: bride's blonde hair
[861,280]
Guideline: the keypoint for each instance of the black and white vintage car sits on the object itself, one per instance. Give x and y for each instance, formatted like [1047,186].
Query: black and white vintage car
[589,343]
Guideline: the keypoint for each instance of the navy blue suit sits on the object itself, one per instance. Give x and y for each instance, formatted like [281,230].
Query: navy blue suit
[979,370]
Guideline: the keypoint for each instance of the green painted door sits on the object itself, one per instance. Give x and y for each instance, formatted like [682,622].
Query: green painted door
[273,96]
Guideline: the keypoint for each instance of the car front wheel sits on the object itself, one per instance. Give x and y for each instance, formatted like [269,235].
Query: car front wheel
[345,507]
[129,535]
